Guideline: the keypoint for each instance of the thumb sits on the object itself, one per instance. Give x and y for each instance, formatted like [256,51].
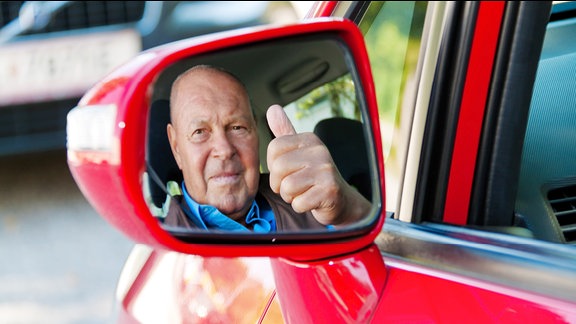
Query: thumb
[278,122]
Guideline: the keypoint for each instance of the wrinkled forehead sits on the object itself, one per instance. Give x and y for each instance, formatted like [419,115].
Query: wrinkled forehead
[193,82]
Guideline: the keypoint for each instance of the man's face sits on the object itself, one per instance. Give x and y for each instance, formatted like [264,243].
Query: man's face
[214,141]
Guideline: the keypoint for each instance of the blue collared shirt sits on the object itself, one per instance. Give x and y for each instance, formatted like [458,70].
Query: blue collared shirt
[259,218]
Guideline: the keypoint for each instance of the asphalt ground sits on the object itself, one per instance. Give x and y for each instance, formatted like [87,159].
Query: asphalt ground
[59,260]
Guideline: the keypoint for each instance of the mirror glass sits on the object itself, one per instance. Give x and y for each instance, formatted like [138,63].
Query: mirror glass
[313,79]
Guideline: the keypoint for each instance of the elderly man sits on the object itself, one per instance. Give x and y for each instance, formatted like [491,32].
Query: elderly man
[214,140]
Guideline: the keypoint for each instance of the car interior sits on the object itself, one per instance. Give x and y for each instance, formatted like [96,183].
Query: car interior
[277,74]
[546,198]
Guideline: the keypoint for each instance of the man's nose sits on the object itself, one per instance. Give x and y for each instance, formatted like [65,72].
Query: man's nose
[222,147]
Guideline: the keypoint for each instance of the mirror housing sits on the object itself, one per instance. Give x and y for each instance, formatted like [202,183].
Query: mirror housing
[111,171]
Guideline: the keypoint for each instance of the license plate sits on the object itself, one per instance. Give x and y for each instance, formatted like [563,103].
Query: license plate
[61,68]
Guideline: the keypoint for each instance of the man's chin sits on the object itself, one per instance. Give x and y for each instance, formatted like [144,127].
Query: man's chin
[230,208]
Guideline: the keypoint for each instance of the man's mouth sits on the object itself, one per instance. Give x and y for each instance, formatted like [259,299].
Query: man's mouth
[225,178]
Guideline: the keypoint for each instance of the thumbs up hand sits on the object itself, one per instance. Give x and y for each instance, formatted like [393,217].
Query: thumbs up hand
[303,173]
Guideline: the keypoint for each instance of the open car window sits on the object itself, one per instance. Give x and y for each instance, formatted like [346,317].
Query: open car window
[334,99]
[393,33]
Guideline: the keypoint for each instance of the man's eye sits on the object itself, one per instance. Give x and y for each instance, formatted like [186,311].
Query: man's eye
[238,129]
[198,135]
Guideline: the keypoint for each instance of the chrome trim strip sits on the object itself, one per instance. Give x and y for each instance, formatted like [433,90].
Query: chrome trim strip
[498,261]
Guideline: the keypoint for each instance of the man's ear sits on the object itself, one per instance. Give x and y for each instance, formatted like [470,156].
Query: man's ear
[174,144]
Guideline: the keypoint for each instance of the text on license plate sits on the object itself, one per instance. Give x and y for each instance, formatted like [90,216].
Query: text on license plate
[61,68]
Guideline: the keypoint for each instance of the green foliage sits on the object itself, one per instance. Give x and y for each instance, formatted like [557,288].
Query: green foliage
[340,95]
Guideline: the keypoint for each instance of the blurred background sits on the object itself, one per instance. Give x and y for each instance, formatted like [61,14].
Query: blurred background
[59,261]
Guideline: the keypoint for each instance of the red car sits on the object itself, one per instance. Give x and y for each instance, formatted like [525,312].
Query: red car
[456,119]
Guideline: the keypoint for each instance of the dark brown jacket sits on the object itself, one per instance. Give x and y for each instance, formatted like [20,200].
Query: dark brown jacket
[286,217]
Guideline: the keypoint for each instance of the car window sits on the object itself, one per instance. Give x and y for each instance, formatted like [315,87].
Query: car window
[546,200]
[393,32]
[334,99]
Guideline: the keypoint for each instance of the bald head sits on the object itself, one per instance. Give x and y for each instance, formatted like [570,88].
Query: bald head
[204,75]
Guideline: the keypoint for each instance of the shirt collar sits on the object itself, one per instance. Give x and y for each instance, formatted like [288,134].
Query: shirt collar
[209,217]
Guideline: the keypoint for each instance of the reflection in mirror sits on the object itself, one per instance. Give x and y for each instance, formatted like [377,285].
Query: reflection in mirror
[216,161]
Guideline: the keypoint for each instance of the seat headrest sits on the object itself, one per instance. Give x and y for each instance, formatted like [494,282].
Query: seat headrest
[345,140]
[158,154]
